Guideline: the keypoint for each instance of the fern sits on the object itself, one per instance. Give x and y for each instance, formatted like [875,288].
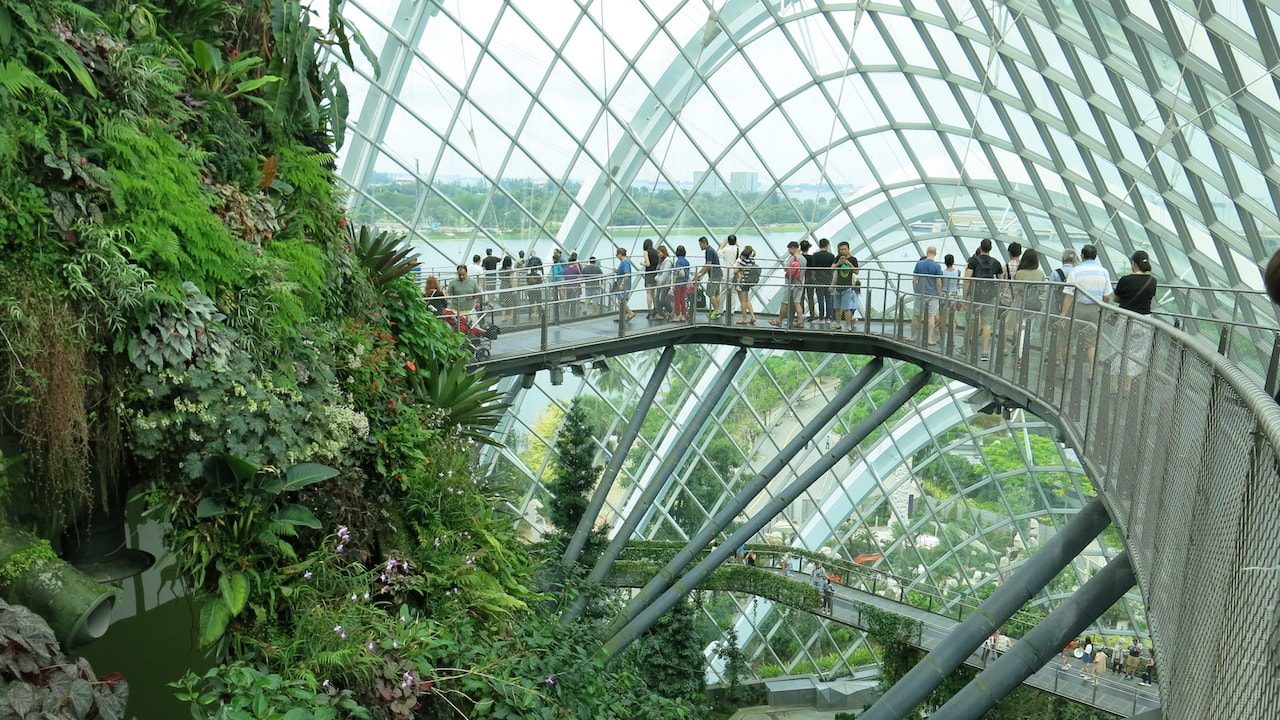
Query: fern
[20,81]
[157,195]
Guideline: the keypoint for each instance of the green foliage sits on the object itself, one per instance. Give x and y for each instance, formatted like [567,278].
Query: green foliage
[158,199]
[575,472]
[735,664]
[894,638]
[729,578]
[180,335]
[310,99]
[466,401]
[240,691]
[384,256]
[240,526]
[668,656]
[23,560]
[40,682]
[425,338]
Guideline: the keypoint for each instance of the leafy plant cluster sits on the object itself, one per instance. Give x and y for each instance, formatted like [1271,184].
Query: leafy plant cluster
[184,303]
[39,682]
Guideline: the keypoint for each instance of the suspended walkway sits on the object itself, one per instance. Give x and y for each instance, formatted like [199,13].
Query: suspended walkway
[1181,443]
[1118,697]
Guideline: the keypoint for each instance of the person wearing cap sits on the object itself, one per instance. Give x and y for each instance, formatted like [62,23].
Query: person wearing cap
[1135,292]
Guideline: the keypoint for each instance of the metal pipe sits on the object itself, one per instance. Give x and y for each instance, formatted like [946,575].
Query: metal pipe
[1031,577]
[1042,644]
[588,521]
[667,575]
[659,480]
[690,580]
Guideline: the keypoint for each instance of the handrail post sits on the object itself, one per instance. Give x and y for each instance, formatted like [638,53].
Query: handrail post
[865,300]
[727,290]
[542,321]
[1224,342]
[622,314]
[1273,367]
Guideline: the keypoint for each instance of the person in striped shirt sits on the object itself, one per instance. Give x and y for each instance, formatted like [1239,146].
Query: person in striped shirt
[1095,280]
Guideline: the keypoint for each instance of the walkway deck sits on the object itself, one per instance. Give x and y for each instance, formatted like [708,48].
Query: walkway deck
[1119,697]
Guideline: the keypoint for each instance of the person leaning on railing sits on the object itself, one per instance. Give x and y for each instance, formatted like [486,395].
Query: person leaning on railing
[434,295]
[465,291]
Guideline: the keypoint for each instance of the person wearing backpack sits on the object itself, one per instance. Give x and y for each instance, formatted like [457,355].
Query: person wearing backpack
[534,297]
[981,292]
[845,287]
[793,269]
[682,275]
[748,275]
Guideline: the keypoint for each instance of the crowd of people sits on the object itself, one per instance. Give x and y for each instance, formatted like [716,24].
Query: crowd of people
[1131,661]
[819,287]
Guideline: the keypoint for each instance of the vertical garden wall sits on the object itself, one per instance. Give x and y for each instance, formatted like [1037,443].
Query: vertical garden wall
[187,316]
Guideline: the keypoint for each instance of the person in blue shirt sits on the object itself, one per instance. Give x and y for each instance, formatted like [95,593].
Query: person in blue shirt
[622,285]
[928,289]
[710,268]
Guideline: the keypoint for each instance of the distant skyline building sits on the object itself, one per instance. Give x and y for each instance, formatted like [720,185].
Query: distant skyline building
[744,181]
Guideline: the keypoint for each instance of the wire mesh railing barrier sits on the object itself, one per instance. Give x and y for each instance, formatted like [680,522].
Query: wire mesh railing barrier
[1179,435]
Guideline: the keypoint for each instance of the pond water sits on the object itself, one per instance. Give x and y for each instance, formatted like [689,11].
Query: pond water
[152,638]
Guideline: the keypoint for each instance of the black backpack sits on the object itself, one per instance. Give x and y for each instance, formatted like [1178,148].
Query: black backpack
[987,267]
[751,275]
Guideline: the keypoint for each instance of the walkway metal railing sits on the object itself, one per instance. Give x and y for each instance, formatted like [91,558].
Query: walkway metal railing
[1181,441]
[865,578]
[1066,674]
[1240,322]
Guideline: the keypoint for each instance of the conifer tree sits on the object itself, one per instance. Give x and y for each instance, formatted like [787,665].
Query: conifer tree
[575,472]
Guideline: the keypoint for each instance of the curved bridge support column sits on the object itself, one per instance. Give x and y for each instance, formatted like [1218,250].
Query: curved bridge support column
[645,619]
[667,575]
[996,610]
[1042,643]
[669,463]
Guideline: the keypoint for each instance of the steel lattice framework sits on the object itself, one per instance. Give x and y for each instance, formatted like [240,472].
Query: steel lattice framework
[1147,124]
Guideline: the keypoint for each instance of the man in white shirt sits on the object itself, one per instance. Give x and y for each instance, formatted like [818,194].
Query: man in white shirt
[476,271]
[1094,279]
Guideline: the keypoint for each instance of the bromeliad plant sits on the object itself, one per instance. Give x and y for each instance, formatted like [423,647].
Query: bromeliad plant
[384,256]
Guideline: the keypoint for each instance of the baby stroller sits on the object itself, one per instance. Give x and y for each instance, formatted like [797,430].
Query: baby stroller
[479,334]
[663,305]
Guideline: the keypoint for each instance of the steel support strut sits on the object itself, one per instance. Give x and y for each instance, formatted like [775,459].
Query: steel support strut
[646,618]
[1043,643]
[659,480]
[1032,577]
[588,521]
[729,512]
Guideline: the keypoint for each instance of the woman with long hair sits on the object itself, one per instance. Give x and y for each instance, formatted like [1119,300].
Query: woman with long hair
[434,295]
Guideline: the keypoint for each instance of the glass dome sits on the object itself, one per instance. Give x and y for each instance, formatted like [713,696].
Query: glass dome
[522,126]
